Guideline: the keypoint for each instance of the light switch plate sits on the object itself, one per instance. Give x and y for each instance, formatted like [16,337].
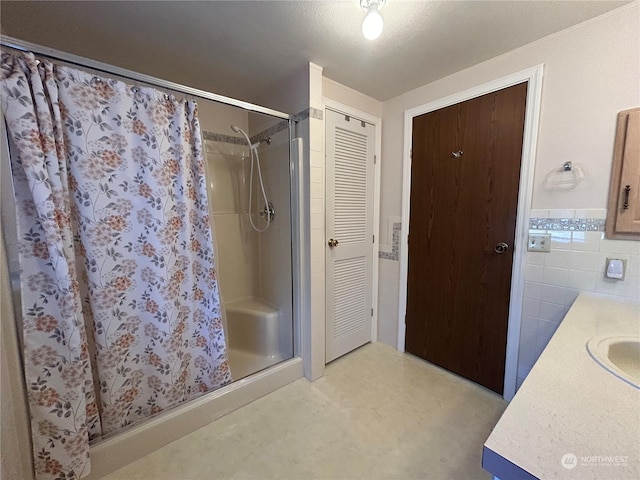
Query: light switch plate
[539,243]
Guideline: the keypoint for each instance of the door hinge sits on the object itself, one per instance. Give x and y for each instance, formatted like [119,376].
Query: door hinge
[372,312]
[374,239]
[375,159]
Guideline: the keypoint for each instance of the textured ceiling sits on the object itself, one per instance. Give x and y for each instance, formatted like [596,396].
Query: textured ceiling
[241,48]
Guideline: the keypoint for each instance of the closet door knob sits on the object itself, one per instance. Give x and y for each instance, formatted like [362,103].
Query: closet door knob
[333,243]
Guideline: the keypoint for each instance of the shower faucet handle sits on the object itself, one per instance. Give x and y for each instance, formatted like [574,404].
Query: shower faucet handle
[333,243]
[268,210]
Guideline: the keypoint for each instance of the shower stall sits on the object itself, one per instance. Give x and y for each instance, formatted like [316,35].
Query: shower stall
[253,175]
[248,180]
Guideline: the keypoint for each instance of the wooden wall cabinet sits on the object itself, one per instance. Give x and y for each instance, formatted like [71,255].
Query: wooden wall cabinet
[623,213]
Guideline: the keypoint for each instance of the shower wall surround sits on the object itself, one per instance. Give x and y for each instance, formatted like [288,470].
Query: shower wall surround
[255,268]
[237,250]
[237,246]
[243,264]
[275,259]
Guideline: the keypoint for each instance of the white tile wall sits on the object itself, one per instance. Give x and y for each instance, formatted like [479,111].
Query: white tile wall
[317,224]
[553,280]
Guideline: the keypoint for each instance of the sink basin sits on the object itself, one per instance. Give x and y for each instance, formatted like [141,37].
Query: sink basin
[619,355]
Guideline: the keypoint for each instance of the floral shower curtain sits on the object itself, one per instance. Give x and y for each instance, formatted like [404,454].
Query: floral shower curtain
[121,312]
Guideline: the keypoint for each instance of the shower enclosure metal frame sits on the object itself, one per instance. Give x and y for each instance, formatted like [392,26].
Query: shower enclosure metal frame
[115,451]
[83,62]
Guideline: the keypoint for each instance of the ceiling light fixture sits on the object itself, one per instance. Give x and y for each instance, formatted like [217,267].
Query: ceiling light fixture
[372,23]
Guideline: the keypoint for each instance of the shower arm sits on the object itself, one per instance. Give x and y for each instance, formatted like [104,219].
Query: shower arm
[262,140]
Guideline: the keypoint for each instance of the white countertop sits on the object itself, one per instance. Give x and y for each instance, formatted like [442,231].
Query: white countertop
[569,404]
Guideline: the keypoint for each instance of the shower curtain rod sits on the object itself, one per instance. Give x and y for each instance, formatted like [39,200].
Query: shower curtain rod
[76,60]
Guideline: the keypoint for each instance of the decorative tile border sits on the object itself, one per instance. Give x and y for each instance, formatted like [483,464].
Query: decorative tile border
[272,130]
[301,116]
[316,113]
[567,224]
[309,113]
[553,224]
[221,137]
[395,244]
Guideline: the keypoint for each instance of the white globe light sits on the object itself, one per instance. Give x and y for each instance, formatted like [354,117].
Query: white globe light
[372,25]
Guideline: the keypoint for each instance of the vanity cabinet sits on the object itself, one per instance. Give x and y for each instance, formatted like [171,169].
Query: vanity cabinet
[623,214]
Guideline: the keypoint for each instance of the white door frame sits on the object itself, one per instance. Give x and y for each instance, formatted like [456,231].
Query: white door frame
[533,76]
[377,122]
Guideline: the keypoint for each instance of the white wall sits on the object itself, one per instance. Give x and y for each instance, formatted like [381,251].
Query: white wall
[291,95]
[350,97]
[592,71]
[315,146]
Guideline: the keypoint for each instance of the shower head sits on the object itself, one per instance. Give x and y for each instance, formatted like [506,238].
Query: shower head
[237,129]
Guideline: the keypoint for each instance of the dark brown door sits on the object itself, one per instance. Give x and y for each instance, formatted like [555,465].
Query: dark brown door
[465,172]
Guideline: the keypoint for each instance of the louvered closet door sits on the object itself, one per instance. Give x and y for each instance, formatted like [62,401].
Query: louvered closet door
[349,221]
